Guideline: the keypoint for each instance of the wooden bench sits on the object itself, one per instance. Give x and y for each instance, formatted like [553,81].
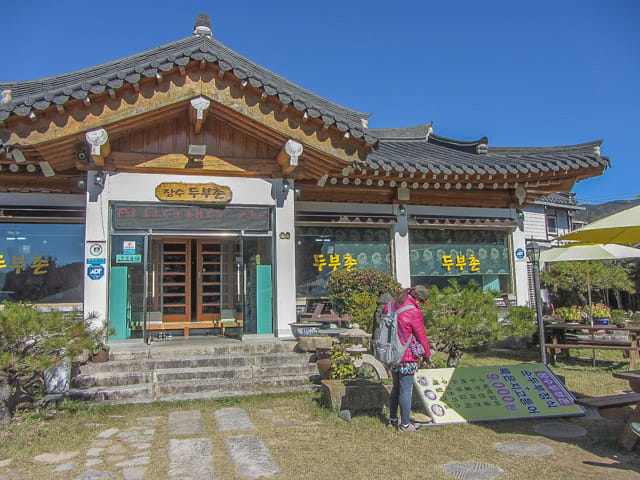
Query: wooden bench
[563,342]
[186,326]
[610,401]
[319,310]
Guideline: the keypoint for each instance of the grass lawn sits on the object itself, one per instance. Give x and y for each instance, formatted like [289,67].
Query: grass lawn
[309,441]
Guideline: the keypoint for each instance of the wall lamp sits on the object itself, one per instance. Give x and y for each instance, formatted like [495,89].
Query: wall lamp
[285,186]
[296,192]
[99,179]
[402,210]
[82,183]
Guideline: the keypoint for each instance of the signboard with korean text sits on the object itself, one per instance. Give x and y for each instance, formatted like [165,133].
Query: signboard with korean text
[190,217]
[193,193]
[502,392]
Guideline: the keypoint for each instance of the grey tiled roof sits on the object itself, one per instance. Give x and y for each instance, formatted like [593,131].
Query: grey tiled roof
[30,95]
[452,157]
[559,199]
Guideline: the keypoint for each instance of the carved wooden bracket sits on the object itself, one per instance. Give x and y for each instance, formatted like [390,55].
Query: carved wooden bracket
[100,146]
[288,156]
[198,112]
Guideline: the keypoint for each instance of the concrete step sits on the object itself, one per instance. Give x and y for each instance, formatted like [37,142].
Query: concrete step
[206,371]
[226,360]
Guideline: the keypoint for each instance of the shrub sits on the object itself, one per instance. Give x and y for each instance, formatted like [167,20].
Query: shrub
[31,341]
[521,322]
[569,314]
[362,306]
[345,285]
[459,319]
[342,366]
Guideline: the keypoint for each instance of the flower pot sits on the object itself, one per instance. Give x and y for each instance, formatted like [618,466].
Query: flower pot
[100,356]
[322,352]
[304,329]
[324,368]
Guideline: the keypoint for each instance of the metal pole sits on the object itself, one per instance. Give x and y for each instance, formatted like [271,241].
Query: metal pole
[536,282]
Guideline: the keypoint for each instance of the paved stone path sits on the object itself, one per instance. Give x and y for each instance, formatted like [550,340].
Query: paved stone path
[125,454]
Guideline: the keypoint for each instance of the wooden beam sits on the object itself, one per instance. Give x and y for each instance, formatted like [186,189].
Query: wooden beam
[100,146]
[198,112]
[288,156]
[206,166]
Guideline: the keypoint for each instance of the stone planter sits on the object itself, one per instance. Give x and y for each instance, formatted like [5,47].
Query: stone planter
[310,343]
[354,395]
[304,329]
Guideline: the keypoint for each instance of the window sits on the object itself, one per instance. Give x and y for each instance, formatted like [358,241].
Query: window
[482,256]
[321,250]
[552,224]
[42,262]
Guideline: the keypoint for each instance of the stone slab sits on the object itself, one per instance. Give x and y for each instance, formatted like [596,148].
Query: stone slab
[185,423]
[134,473]
[108,433]
[251,456]
[525,449]
[560,430]
[95,475]
[472,470]
[230,419]
[66,466]
[190,459]
[52,458]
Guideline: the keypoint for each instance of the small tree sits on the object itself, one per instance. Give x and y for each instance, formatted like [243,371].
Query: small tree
[356,292]
[459,319]
[31,341]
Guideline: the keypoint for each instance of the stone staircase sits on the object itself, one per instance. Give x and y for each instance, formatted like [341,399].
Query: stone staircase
[190,371]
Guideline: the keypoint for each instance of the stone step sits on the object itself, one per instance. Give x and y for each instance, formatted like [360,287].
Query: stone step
[196,361]
[187,389]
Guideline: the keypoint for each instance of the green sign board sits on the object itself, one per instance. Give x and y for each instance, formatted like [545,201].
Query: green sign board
[128,258]
[502,392]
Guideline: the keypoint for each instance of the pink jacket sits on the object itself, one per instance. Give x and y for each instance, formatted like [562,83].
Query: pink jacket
[410,322]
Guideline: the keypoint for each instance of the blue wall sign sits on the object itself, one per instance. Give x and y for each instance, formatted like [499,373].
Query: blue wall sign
[519,253]
[95,272]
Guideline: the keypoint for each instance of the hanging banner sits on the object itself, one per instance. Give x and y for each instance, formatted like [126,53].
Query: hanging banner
[476,394]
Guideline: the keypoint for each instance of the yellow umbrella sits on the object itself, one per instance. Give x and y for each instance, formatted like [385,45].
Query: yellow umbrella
[621,227]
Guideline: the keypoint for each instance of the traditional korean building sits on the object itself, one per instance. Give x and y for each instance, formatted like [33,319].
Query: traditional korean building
[187,188]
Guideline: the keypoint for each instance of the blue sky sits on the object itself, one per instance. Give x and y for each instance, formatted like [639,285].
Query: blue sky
[521,73]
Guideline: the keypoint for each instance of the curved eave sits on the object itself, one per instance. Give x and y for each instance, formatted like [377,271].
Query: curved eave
[30,96]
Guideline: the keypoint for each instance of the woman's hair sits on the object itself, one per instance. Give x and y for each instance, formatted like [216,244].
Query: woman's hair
[402,296]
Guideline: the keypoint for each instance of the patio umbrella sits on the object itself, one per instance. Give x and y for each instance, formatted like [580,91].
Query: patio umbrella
[585,252]
[621,227]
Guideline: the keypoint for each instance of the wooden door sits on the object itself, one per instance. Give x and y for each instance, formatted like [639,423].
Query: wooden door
[176,280]
[208,280]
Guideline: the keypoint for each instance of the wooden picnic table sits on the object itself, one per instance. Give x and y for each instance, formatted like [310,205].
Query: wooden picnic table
[566,336]
[628,439]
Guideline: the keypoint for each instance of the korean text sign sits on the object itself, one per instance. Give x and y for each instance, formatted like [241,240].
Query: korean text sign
[503,392]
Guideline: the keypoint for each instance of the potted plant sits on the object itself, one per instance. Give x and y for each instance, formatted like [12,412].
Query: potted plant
[601,314]
[100,349]
[569,314]
[345,391]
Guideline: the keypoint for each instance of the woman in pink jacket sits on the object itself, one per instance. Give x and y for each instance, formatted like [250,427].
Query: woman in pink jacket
[410,323]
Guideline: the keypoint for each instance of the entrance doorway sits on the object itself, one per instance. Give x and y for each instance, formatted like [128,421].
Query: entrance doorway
[196,280]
